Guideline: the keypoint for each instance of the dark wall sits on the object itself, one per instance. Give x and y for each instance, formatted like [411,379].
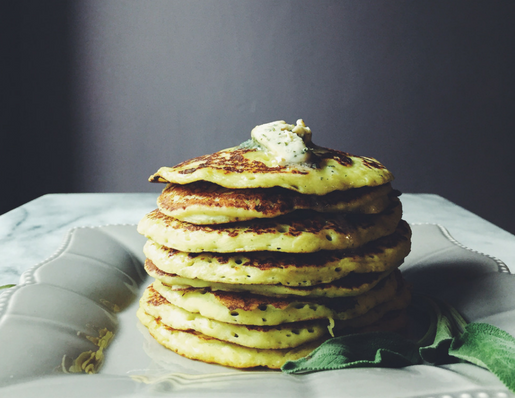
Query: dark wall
[108,91]
[36,119]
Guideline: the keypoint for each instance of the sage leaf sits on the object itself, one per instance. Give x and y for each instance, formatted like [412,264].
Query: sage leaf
[372,349]
[487,346]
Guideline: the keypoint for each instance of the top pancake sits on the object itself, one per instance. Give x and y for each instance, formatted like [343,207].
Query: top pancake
[248,166]
[203,202]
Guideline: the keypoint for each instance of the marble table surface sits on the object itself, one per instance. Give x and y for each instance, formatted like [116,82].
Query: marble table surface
[31,233]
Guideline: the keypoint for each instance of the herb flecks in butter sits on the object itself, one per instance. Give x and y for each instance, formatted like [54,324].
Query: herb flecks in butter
[287,143]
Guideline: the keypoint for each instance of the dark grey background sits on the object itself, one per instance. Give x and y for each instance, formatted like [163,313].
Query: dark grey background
[98,94]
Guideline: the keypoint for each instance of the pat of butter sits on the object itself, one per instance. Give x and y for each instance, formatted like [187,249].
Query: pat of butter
[286,142]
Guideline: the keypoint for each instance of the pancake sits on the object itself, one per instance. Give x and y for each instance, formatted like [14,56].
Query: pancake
[351,285]
[195,345]
[249,166]
[297,232]
[206,203]
[249,309]
[305,269]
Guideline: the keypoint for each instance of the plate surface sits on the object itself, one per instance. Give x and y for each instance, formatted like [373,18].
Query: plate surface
[95,279]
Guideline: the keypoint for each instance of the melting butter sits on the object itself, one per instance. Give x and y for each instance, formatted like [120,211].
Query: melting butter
[287,143]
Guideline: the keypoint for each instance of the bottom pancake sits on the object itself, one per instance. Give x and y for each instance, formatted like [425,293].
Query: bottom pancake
[195,345]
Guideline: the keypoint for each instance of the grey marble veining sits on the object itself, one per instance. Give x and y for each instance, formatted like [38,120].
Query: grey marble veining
[33,232]
[466,227]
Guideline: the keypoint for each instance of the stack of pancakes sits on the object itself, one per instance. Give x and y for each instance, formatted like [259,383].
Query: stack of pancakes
[256,263]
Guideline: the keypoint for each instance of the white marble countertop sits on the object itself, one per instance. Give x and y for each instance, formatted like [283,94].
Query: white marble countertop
[31,233]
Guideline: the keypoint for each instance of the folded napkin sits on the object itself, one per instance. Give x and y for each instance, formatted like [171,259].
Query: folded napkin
[448,339]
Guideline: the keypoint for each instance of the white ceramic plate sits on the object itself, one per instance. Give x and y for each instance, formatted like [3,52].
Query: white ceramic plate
[44,322]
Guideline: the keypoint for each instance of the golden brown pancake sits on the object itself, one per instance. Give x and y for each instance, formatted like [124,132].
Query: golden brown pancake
[351,285]
[297,232]
[289,269]
[249,167]
[250,309]
[202,202]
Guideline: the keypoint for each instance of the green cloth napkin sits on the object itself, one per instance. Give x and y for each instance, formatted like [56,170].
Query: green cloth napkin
[448,339]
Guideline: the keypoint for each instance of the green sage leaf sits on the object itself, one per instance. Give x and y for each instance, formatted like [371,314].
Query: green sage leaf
[489,347]
[383,349]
